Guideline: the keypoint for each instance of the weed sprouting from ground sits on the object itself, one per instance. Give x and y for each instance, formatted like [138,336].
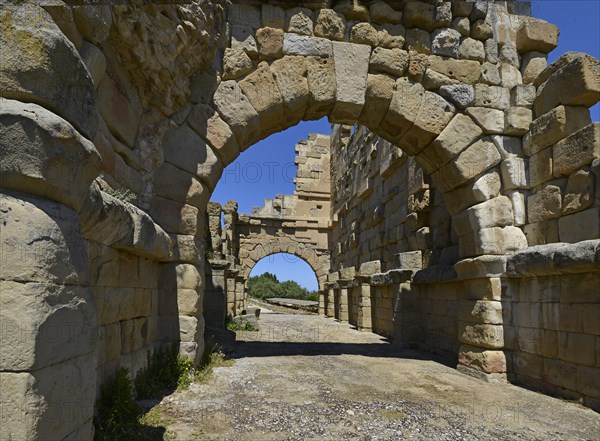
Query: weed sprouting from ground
[118,417]
[240,326]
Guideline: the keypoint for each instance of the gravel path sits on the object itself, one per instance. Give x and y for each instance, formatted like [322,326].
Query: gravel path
[304,377]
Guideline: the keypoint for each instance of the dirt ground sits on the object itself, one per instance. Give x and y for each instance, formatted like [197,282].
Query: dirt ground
[304,377]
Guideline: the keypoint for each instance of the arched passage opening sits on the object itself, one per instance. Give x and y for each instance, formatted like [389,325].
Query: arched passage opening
[282,275]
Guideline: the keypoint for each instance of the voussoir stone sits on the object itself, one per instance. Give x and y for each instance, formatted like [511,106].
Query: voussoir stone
[236,110]
[351,70]
[390,61]
[290,73]
[43,154]
[262,92]
[42,66]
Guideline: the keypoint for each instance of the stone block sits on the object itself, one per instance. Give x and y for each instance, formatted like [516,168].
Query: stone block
[445,42]
[576,150]
[481,267]
[189,302]
[536,35]
[522,95]
[494,97]
[461,95]
[484,187]
[41,242]
[517,120]
[514,173]
[329,24]
[51,402]
[347,273]
[471,49]
[404,107]
[42,154]
[434,115]
[294,44]
[575,348]
[482,30]
[209,125]
[496,212]
[351,70]
[541,233]
[299,21]
[44,324]
[540,167]
[465,71]
[490,74]
[518,202]
[579,193]
[95,62]
[532,64]
[425,15]
[490,120]
[322,87]
[364,33]
[245,14]
[480,311]
[576,83]
[290,74]
[235,109]
[390,36]
[390,61]
[378,96]
[545,203]
[242,39]
[263,94]
[583,225]
[493,240]
[455,138]
[483,289]
[176,184]
[588,380]
[481,359]
[477,158]
[481,335]
[554,126]
[175,217]
[381,12]
[369,268]
[273,16]
[236,64]
[55,76]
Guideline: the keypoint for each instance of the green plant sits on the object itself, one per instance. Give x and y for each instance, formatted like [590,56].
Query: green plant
[116,410]
[120,419]
[267,286]
[240,326]
[166,371]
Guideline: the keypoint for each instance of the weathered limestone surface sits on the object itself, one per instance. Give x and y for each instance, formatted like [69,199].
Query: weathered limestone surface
[466,149]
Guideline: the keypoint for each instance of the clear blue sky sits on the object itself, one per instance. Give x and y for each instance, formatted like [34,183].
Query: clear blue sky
[267,168]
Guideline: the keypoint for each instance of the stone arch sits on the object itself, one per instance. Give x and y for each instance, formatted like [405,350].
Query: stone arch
[443,104]
[256,252]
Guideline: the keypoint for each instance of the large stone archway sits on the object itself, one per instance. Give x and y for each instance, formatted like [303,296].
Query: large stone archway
[114,136]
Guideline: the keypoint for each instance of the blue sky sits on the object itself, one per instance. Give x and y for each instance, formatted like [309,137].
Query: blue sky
[267,168]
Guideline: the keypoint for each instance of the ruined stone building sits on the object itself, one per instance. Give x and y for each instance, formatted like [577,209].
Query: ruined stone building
[455,207]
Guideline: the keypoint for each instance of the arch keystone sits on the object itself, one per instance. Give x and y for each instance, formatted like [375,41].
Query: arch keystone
[351,70]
